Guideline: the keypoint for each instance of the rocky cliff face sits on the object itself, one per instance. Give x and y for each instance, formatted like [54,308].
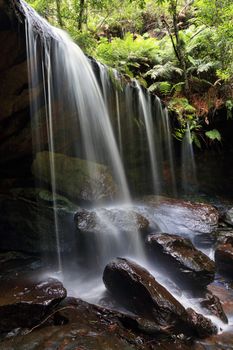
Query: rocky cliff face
[15,131]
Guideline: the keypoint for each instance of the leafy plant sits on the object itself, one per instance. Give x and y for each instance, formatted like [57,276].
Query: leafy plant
[213,135]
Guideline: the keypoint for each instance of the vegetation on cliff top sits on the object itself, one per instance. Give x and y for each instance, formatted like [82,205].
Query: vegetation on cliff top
[180,49]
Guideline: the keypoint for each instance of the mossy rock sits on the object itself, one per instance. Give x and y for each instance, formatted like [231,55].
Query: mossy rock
[75,178]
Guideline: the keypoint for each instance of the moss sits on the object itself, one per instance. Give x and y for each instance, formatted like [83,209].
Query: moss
[76,178]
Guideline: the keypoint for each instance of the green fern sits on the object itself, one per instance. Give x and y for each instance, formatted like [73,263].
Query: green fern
[163,87]
[213,135]
[165,71]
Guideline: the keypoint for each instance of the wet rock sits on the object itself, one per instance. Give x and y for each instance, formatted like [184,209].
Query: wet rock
[202,326]
[213,305]
[224,259]
[136,289]
[224,294]
[103,220]
[186,263]
[25,303]
[228,217]
[28,225]
[224,235]
[76,178]
[182,217]
[79,325]
[222,341]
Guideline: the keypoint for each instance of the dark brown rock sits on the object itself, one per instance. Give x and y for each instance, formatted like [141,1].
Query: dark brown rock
[79,325]
[201,325]
[136,289]
[224,259]
[213,305]
[224,294]
[25,303]
[186,263]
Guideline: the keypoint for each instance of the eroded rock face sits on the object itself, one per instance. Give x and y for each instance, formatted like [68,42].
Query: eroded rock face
[76,178]
[182,217]
[27,222]
[136,289]
[25,303]
[186,264]
[102,220]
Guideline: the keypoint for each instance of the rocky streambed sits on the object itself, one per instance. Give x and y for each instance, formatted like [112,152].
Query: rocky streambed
[139,309]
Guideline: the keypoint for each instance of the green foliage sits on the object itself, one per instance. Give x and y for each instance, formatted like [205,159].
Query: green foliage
[182,107]
[86,41]
[128,54]
[213,135]
[168,45]
[229,107]
[162,87]
[166,71]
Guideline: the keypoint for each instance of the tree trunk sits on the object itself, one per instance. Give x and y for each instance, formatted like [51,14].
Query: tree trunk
[81,14]
[179,49]
[59,16]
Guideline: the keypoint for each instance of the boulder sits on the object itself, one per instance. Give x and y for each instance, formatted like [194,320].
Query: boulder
[103,219]
[187,265]
[24,304]
[224,259]
[182,217]
[202,326]
[212,303]
[136,289]
[228,217]
[78,325]
[225,294]
[75,178]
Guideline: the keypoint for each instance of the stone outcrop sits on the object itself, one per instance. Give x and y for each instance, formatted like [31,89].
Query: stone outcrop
[27,221]
[25,304]
[184,263]
[75,178]
[137,290]
[103,219]
[182,217]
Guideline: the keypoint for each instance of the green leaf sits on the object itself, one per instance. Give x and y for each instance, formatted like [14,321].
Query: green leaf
[213,135]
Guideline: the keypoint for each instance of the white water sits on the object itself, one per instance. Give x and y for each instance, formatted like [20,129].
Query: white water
[189,177]
[145,103]
[68,78]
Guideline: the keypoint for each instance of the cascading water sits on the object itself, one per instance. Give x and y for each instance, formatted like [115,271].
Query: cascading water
[64,88]
[189,178]
[145,104]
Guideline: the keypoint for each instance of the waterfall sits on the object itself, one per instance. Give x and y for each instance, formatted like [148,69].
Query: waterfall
[68,80]
[77,110]
[189,178]
[145,104]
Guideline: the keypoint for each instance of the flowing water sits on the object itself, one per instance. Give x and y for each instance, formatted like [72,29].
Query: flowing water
[109,128]
[189,177]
